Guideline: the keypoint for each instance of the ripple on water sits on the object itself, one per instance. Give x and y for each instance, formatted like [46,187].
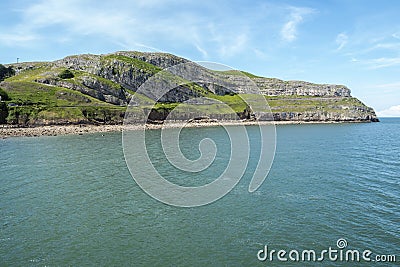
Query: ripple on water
[70,200]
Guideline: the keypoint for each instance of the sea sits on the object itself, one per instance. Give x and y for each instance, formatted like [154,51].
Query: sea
[332,188]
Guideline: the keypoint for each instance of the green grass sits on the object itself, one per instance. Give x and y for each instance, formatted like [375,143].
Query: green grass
[166,106]
[143,100]
[142,65]
[37,101]
[43,102]
[235,102]
[211,109]
[227,105]
[56,113]
[31,93]
[238,73]
[80,74]
[30,75]
[302,104]
[45,72]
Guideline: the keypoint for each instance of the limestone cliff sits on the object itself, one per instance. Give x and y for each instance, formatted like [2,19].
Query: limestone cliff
[101,86]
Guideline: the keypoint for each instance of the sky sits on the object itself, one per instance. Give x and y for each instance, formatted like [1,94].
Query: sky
[350,42]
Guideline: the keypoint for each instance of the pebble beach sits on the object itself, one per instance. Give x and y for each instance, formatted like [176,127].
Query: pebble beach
[80,129]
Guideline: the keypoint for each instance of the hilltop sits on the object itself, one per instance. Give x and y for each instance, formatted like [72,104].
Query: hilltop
[96,89]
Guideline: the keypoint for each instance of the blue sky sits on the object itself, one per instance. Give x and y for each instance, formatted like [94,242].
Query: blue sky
[354,42]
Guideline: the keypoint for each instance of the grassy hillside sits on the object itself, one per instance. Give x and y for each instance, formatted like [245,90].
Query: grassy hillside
[32,102]
[98,88]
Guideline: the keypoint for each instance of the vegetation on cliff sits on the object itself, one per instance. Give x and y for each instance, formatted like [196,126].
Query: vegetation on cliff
[6,72]
[97,89]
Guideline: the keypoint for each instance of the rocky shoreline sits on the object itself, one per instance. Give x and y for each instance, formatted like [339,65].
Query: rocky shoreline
[54,130]
[96,89]
[7,131]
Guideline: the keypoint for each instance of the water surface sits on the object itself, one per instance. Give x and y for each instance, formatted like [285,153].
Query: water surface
[70,200]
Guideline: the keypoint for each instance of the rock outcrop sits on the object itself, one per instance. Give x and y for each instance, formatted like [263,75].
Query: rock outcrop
[114,79]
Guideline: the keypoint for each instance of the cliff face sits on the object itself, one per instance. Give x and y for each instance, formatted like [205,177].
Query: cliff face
[276,87]
[103,85]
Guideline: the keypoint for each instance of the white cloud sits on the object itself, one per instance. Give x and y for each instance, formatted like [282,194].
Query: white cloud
[234,45]
[214,30]
[383,62]
[377,63]
[17,39]
[59,21]
[389,85]
[393,111]
[341,40]
[130,25]
[201,50]
[289,29]
[78,18]
[379,47]
[396,35]
[260,54]
[388,46]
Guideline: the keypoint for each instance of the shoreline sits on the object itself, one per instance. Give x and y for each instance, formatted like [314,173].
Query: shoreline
[7,131]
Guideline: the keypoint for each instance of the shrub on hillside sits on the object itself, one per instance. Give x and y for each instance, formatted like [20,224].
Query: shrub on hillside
[6,72]
[3,113]
[3,95]
[66,74]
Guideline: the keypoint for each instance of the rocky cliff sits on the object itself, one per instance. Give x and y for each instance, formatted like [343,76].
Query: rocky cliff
[101,86]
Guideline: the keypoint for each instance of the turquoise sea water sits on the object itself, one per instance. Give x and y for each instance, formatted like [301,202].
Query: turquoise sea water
[70,200]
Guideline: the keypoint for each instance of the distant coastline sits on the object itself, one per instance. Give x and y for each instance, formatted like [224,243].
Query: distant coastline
[7,131]
[98,89]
